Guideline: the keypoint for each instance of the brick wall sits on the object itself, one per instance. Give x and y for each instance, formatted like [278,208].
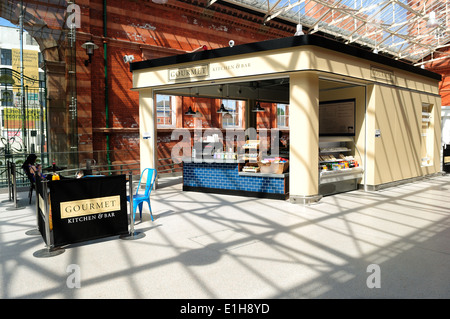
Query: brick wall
[146,30]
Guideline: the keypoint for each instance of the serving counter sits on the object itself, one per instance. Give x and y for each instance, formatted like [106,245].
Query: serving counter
[225,177]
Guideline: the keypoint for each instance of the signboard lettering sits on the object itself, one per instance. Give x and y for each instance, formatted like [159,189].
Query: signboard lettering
[188,72]
[89,206]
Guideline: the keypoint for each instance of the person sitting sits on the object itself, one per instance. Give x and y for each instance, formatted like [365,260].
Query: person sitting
[31,168]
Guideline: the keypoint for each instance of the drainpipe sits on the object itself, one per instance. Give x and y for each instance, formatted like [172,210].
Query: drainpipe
[105,52]
[22,88]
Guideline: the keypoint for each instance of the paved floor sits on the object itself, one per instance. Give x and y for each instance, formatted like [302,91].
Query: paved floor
[214,246]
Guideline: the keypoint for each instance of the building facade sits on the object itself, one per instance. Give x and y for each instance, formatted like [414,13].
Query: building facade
[93,111]
[23,127]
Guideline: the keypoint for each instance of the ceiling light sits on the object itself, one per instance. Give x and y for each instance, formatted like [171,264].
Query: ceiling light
[432,22]
[299,30]
[189,111]
[222,108]
[227,116]
[258,108]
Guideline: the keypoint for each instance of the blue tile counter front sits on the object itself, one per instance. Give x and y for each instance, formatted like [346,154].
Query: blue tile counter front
[225,178]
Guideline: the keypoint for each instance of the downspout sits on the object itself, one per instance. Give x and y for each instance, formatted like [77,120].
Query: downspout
[22,88]
[105,53]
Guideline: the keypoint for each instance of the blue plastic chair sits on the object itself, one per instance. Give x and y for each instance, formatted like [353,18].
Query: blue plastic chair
[139,198]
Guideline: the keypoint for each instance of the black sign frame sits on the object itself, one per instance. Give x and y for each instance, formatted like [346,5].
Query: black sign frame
[111,221]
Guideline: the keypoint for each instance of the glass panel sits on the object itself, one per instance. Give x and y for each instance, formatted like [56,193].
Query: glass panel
[164,110]
[6,57]
[426,135]
[282,115]
[233,117]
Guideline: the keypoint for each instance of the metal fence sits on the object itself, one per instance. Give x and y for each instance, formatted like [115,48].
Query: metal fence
[63,163]
[87,162]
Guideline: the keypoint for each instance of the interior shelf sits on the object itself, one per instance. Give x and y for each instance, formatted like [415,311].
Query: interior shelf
[338,168]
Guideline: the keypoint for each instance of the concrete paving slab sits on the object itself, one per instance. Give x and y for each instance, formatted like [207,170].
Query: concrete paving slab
[213,246]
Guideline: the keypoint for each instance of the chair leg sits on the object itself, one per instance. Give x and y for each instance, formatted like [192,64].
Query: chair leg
[150,209]
[140,209]
[140,205]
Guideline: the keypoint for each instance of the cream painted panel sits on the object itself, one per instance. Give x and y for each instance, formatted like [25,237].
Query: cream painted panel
[147,127]
[347,65]
[370,139]
[304,117]
[388,161]
[288,60]
[278,61]
[397,151]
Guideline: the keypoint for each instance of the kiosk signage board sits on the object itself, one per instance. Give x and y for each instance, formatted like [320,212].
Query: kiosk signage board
[88,208]
[337,118]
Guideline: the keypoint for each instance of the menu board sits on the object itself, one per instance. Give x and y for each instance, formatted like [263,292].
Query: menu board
[337,118]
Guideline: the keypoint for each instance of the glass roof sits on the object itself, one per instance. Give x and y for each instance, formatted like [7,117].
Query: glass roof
[409,30]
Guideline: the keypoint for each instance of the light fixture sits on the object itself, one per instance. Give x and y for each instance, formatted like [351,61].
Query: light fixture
[89,46]
[128,58]
[432,22]
[299,26]
[160,1]
[299,30]
[222,108]
[375,51]
[227,116]
[258,107]
[190,111]
[197,113]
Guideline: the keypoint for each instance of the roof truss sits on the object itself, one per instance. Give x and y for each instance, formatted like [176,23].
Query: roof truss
[405,29]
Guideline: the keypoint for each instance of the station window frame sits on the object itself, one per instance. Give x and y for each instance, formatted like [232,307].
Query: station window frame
[165,105]
[234,108]
[283,119]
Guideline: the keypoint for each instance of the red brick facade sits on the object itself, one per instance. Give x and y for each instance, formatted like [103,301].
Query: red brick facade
[146,30]
[442,66]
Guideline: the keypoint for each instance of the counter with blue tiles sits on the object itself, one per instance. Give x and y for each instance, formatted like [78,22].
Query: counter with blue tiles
[224,178]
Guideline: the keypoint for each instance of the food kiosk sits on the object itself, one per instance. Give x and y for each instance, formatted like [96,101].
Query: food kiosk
[357,119]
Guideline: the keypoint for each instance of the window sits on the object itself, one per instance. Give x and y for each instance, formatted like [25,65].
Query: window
[165,111]
[6,57]
[6,77]
[234,116]
[40,59]
[7,98]
[283,115]
[427,135]
[41,79]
